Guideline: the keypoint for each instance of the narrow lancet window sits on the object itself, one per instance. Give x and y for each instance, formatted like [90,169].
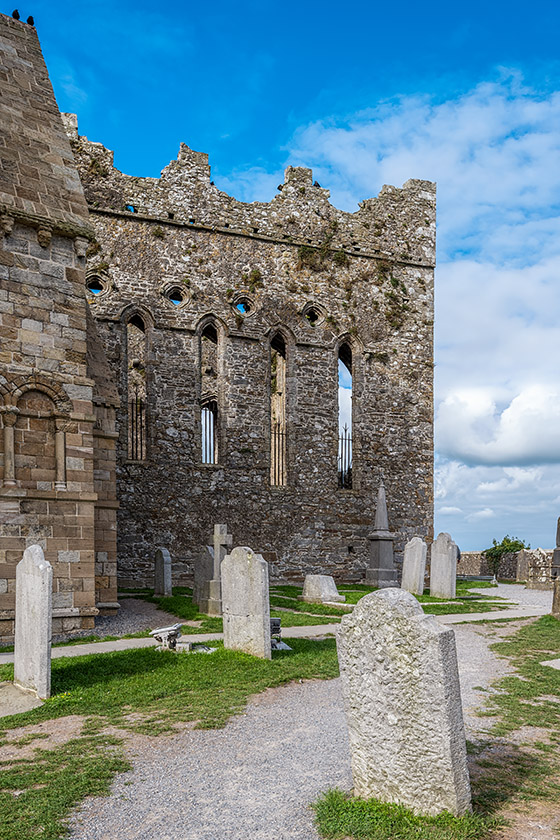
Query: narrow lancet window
[345,417]
[209,402]
[278,471]
[136,384]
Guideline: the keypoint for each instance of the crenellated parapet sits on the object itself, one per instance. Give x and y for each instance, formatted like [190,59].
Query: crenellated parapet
[397,225]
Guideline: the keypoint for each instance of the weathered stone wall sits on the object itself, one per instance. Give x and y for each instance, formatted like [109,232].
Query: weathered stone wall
[50,467]
[369,278]
[475,563]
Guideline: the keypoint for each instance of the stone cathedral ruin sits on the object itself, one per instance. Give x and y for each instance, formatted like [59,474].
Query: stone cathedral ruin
[169,359]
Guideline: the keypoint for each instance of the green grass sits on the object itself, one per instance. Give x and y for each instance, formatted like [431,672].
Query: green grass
[302,607]
[462,607]
[339,816]
[37,793]
[163,688]
[522,698]
[294,619]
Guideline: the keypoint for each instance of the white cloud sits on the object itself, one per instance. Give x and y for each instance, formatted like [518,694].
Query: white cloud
[485,513]
[471,427]
[446,511]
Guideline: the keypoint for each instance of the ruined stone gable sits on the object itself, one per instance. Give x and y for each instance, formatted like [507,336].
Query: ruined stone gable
[204,304]
[57,436]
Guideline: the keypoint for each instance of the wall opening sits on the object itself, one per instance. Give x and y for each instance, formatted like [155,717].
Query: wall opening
[209,403]
[278,470]
[136,354]
[345,416]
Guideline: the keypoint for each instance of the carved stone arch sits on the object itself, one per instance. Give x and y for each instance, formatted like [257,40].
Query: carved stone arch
[281,329]
[209,319]
[132,309]
[38,382]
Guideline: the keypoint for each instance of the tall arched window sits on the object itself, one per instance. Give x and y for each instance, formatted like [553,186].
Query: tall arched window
[345,416]
[209,403]
[278,468]
[136,356]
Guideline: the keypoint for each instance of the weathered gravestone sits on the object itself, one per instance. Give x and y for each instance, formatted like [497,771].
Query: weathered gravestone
[400,685]
[555,572]
[245,603]
[556,599]
[414,566]
[203,571]
[320,589]
[162,573]
[381,570]
[32,646]
[210,597]
[443,567]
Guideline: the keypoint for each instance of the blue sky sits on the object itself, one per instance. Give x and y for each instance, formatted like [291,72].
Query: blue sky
[467,96]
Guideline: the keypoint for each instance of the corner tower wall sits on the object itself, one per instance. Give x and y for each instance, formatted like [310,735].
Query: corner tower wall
[368,274]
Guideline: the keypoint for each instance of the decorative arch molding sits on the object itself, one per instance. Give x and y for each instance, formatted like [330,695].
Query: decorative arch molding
[12,392]
[281,329]
[355,343]
[131,309]
[209,319]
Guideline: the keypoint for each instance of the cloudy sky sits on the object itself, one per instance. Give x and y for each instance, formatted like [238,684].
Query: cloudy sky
[467,96]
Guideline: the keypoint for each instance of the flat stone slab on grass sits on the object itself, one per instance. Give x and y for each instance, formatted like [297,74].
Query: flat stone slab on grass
[552,663]
[13,700]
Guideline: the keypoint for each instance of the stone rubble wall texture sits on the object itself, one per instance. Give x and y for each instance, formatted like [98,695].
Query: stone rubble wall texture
[533,566]
[32,643]
[414,566]
[245,604]
[402,698]
[475,563]
[320,589]
[57,423]
[369,275]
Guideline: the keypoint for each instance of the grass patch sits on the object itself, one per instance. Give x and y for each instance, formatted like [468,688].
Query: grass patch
[294,619]
[339,816]
[300,606]
[149,691]
[37,793]
[524,698]
[461,607]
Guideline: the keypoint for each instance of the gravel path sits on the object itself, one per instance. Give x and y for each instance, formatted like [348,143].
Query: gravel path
[256,777]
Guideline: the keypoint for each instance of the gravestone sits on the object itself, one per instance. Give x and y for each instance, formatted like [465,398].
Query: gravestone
[400,685]
[555,571]
[203,571]
[381,570]
[245,603]
[320,589]
[209,588]
[443,567]
[522,567]
[162,573]
[32,645]
[414,566]
[556,599]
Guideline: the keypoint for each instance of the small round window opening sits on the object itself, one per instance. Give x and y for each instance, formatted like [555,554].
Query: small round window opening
[176,295]
[313,315]
[243,305]
[96,286]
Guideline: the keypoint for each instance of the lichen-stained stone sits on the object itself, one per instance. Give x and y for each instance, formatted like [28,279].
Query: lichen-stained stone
[414,566]
[443,567]
[162,573]
[32,649]
[556,599]
[401,692]
[320,589]
[245,604]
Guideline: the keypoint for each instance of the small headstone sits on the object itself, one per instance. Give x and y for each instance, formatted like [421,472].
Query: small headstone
[443,567]
[245,603]
[400,685]
[320,589]
[32,646]
[381,570]
[162,573]
[203,571]
[414,566]
[556,599]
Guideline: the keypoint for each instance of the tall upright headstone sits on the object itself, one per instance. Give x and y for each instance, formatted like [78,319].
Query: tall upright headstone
[414,566]
[162,573]
[210,595]
[400,685]
[443,567]
[555,571]
[381,571]
[203,573]
[556,599]
[246,608]
[32,646]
